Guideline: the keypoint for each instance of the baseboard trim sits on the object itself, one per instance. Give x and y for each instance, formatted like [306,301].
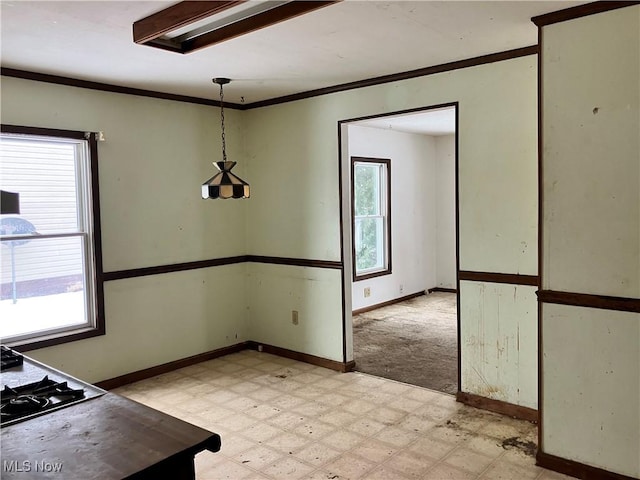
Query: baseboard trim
[442,289]
[136,376]
[576,469]
[302,357]
[498,406]
[387,303]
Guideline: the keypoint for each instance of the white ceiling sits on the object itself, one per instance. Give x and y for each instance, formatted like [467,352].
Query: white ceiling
[349,41]
[436,122]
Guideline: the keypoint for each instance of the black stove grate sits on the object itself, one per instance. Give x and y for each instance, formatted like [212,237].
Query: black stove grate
[32,399]
[10,358]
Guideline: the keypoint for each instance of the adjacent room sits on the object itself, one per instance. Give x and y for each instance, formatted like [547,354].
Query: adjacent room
[402,186]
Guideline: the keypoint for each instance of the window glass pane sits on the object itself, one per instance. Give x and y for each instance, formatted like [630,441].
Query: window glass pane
[42,285]
[45,175]
[369,238]
[367,189]
[370,184]
[47,277]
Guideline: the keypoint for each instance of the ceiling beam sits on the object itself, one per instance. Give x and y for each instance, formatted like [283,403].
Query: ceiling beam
[177,16]
[149,30]
[251,24]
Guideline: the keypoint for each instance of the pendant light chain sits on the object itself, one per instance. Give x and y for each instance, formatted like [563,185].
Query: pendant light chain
[224,147]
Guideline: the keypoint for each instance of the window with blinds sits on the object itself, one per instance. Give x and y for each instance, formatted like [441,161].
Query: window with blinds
[48,259]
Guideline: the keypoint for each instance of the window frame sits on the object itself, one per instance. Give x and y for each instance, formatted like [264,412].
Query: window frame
[385,197]
[50,339]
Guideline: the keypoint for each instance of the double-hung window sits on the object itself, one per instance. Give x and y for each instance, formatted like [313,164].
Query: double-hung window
[51,268]
[371,212]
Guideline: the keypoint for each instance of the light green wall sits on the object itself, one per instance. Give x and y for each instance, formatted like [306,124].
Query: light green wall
[157,319]
[293,165]
[156,155]
[295,145]
[273,291]
[500,350]
[591,238]
[592,152]
[591,387]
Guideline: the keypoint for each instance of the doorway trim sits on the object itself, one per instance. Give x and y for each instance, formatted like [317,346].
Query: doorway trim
[347,271]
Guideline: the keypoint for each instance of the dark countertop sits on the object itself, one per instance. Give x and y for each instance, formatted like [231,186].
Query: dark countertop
[107,437]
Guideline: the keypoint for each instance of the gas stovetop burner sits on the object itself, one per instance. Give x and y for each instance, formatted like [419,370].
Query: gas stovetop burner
[24,404]
[19,402]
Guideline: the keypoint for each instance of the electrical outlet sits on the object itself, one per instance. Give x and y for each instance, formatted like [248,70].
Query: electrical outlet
[401,288]
[367,292]
[294,317]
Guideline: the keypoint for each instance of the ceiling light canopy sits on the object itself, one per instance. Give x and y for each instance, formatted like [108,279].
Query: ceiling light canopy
[192,25]
[224,184]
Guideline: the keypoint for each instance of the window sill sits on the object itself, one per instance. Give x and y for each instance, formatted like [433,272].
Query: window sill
[55,339]
[366,276]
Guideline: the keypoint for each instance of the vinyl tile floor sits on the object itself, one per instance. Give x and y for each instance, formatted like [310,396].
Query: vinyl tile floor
[280,419]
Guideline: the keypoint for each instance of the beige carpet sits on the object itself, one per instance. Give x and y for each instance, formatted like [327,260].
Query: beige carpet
[414,342]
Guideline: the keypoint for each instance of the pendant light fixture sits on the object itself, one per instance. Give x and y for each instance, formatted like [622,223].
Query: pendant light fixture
[224,184]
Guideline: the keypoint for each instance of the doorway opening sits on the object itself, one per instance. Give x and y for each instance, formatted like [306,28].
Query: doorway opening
[400,246]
